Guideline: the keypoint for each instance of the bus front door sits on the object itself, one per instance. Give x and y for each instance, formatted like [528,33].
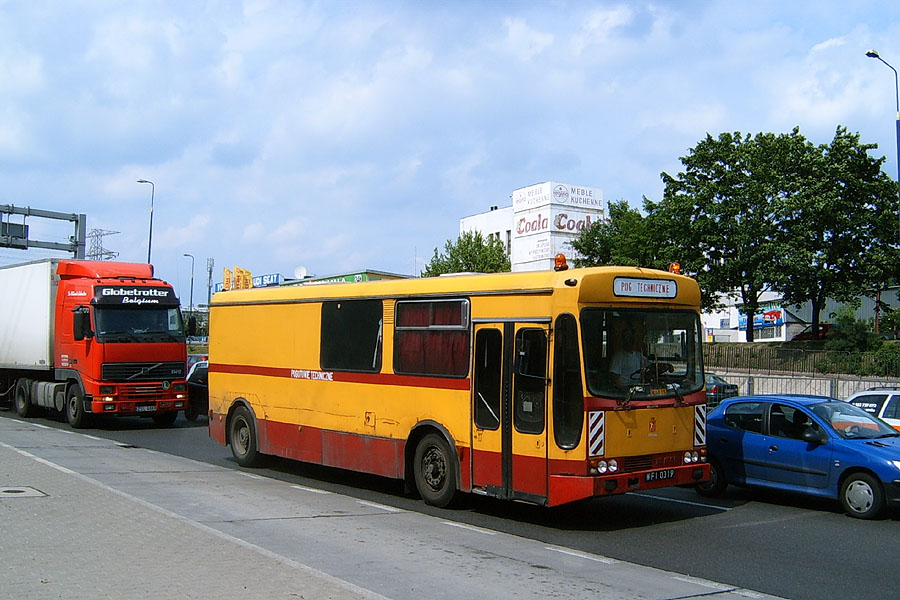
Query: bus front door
[509,433]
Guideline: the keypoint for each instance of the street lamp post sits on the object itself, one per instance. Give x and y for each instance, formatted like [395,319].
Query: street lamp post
[150,237]
[192,282]
[874,54]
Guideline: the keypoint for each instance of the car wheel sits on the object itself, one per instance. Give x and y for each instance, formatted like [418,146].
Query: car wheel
[190,412]
[716,485]
[862,496]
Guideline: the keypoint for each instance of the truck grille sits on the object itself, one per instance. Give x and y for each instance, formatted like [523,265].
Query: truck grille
[148,371]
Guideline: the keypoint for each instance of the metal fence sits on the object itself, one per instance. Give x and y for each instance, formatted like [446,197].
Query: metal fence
[776,370]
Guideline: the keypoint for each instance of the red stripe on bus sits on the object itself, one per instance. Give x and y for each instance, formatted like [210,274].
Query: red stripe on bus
[444,383]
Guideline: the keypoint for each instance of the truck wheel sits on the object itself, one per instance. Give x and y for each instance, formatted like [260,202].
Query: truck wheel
[23,403]
[242,438]
[165,419]
[717,483]
[434,469]
[75,414]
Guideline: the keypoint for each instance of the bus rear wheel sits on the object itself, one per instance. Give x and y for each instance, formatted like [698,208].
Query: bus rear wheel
[435,471]
[242,438]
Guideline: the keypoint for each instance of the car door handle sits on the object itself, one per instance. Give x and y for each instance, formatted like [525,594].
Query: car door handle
[773,448]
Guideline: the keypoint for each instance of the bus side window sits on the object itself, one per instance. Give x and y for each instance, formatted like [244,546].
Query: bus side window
[530,380]
[568,396]
[488,381]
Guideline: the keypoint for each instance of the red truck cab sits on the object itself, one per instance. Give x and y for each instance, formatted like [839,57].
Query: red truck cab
[119,342]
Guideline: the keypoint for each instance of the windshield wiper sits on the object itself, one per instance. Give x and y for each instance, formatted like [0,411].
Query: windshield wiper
[886,435]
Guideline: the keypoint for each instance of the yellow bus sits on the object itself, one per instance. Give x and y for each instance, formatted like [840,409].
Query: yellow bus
[545,387]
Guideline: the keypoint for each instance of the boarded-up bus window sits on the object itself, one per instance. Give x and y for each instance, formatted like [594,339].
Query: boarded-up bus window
[568,398]
[351,335]
[432,338]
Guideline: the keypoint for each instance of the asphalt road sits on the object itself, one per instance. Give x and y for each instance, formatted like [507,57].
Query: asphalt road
[779,544]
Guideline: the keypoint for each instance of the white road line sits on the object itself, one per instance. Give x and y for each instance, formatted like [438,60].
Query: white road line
[470,528]
[249,475]
[310,490]
[380,506]
[599,559]
[688,502]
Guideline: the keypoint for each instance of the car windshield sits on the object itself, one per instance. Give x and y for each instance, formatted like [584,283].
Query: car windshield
[641,354]
[852,422]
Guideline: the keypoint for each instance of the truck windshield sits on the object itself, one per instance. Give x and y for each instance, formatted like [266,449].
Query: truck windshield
[641,354]
[138,324]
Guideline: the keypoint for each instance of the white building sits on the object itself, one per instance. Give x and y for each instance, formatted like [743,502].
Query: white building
[775,322]
[541,222]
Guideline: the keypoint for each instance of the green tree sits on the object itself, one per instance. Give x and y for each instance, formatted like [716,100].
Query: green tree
[471,253]
[720,213]
[836,226]
[621,240]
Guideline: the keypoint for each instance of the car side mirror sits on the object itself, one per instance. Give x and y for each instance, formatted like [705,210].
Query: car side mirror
[813,436]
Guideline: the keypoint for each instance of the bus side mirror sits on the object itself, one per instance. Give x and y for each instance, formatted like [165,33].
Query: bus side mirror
[81,323]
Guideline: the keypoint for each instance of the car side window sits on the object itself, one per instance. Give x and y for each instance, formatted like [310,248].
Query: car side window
[789,422]
[871,403]
[747,416]
[892,410]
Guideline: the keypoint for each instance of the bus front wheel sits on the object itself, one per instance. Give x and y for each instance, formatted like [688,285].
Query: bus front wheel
[435,469]
[242,438]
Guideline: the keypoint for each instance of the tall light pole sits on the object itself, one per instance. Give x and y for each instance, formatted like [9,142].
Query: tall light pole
[192,282]
[873,54]
[150,237]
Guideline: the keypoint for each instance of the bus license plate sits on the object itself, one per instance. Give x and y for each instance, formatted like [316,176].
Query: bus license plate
[659,475]
[151,408]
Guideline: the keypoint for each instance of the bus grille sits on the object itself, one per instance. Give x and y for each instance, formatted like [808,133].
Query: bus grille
[148,371]
[636,463]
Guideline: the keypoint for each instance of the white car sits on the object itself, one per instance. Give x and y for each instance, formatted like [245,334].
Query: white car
[882,402]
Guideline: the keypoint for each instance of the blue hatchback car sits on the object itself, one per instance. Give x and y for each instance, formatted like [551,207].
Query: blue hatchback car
[809,444]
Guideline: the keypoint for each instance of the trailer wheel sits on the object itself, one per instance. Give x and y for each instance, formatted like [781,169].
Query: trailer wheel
[75,414]
[242,438]
[23,403]
[435,470]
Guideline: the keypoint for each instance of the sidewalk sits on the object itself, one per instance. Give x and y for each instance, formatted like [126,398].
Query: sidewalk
[63,535]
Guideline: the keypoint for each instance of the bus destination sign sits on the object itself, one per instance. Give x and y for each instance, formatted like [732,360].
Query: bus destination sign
[644,288]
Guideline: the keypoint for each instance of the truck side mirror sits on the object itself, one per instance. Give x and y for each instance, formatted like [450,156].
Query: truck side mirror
[81,323]
[192,326]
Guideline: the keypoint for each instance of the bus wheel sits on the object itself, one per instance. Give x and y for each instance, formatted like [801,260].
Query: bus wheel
[165,419]
[435,470]
[75,414]
[23,403]
[242,437]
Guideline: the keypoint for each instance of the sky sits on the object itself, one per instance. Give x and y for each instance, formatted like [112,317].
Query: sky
[342,136]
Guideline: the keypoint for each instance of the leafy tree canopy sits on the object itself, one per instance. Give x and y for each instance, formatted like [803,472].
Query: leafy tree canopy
[471,253]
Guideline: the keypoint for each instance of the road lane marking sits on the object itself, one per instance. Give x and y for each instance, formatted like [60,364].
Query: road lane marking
[593,557]
[380,506]
[470,528]
[251,476]
[310,490]
[688,502]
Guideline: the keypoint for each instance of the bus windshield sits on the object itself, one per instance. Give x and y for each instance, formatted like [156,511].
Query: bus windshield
[138,324]
[641,354]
